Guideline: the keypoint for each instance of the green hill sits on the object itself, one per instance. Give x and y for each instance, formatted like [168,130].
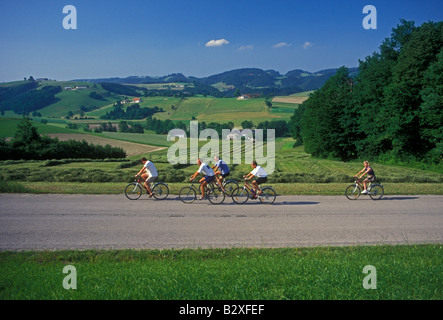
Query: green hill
[181,98]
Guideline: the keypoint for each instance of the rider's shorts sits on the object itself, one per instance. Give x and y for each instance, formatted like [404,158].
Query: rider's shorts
[151,179]
[209,178]
[224,175]
[370,178]
[261,180]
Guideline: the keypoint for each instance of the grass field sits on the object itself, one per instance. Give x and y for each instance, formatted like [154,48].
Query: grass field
[295,171]
[8,126]
[401,273]
[210,109]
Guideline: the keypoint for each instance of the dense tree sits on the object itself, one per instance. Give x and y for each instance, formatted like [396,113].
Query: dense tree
[133,112]
[392,108]
[295,125]
[28,144]
[323,121]
[26,98]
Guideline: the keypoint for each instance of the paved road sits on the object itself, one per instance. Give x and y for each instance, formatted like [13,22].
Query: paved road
[29,221]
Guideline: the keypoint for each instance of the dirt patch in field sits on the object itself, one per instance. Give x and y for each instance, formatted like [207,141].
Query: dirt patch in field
[130,148]
[297,100]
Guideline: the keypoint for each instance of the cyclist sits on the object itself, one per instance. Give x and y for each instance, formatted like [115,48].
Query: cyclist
[371,175]
[208,176]
[261,177]
[221,170]
[150,174]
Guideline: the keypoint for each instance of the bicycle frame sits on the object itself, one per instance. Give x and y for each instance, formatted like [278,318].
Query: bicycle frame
[208,193]
[139,181]
[248,185]
[359,184]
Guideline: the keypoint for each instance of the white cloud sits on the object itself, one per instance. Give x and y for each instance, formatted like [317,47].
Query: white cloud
[307,45]
[281,45]
[217,43]
[248,47]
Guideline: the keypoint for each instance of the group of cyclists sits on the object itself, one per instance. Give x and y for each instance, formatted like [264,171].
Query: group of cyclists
[220,170]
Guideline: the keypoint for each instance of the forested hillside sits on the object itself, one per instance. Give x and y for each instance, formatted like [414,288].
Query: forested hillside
[391,110]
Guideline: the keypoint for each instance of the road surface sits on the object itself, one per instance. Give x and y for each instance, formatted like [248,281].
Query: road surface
[54,222]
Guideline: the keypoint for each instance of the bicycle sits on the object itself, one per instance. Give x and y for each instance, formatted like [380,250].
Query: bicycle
[213,192]
[241,194]
[228,185]
[134,190]
[375,190]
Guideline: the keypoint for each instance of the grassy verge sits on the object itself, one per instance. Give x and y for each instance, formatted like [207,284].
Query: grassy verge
[402,272]
[281,188]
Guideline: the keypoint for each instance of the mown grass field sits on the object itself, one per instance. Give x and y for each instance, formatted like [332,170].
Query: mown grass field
[401,273]
[296,174]
[295,171]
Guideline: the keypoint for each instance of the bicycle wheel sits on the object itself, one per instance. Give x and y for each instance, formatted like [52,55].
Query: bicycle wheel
[160,191]
[230,186]
[133,191]
[376,192]
[240,195]
[267,195]
[352,192]
[187,194]
[215,196]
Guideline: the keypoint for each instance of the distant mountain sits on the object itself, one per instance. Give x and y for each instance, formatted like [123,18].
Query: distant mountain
[247,80]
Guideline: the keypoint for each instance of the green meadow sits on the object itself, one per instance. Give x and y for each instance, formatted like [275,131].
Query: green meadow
[208,109]
[410,272]
[8,127]
[330,273]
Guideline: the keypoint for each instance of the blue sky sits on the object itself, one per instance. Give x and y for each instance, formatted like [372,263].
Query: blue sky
[117,38]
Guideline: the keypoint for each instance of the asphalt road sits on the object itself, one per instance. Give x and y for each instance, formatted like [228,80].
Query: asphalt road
[30,221]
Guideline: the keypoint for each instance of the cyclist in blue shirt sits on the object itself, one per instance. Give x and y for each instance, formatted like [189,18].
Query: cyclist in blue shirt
[221,170]
[208,176]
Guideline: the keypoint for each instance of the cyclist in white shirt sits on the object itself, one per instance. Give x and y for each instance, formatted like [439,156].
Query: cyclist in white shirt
[150,174]
[208,176]
[260,174]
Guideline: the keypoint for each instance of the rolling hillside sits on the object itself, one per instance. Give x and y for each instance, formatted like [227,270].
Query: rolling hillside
[247,80]
[180,97]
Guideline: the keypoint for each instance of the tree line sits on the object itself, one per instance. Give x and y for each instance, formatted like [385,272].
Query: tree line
[391,110]
[28,144]
[281,127]
[132,113]
[27,97]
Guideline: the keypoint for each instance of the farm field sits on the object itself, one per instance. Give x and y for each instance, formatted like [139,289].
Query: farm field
[133,144]
[206,109]
[295,173]
[290,99]
[73,100]
[8,127]
[131,148]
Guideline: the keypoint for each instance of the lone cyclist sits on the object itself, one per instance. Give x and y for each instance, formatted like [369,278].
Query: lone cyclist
[261,175]
[371,176]
[221,170]
[150,174]
[208,176]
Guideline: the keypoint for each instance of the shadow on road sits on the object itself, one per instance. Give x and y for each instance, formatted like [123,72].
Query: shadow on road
[291,203]
[399,198]
[386,198]
[250,202]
